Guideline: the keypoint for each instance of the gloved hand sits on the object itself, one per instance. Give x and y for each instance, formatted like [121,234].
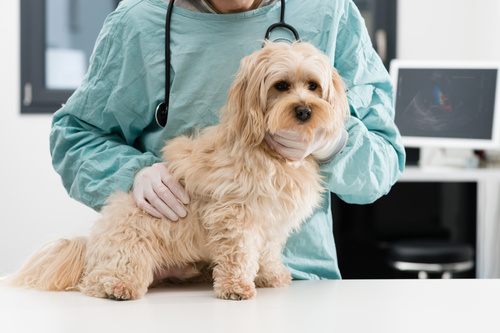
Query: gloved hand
[290,144]
[156,192]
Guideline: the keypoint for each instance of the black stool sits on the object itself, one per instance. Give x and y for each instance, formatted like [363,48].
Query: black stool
[431,256]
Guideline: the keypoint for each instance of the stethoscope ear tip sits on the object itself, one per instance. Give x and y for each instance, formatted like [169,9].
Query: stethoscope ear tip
[161,114]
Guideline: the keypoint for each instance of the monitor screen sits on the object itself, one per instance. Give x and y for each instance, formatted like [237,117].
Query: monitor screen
[447,105]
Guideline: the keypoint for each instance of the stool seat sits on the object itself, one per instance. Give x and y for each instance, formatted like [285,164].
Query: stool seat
[430,251]
[431,256]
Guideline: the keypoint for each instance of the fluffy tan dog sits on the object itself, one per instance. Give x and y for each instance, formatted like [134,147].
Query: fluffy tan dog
[245,198]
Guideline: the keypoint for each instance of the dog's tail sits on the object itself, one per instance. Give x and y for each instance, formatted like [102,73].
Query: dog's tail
[58,265]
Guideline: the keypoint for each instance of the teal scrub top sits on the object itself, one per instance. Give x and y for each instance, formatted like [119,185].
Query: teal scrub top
[107,130]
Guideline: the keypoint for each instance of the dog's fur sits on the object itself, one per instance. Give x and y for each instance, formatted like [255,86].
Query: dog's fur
[245,198]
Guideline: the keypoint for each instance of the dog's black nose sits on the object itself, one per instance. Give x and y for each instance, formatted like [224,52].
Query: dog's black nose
[302,112]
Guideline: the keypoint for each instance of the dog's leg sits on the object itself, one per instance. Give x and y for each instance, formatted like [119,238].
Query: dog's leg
[272,273]
[122,255]
[122,271]
[235,255]
[234,273]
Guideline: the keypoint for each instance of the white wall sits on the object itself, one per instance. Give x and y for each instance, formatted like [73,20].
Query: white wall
[448,29]
[34,206]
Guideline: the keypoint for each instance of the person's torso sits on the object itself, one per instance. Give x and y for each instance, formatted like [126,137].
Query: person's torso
[206,50]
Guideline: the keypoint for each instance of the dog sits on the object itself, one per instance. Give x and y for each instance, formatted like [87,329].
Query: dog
[245,198]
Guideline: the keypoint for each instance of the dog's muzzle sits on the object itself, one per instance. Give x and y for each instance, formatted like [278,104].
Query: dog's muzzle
[303,112]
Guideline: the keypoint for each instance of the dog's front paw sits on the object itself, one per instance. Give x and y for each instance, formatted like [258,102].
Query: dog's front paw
[234,289]
[273,279]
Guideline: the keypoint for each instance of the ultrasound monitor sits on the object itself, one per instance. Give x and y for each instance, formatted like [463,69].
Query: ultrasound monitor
[447,104]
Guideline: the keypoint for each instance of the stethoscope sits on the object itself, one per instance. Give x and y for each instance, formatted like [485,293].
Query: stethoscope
[161,113]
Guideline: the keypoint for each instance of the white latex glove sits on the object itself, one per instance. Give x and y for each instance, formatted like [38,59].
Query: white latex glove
[289,144]
[156,192]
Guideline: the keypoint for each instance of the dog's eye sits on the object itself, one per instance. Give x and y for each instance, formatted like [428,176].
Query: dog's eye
[313,86]
[282,86]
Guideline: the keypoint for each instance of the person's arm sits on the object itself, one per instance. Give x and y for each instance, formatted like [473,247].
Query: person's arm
[94,133]
[373,158]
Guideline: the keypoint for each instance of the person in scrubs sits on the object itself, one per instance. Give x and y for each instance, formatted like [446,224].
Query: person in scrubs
[105,138]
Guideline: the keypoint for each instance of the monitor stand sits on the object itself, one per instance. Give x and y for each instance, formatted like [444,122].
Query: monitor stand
[448,158]
[412,156]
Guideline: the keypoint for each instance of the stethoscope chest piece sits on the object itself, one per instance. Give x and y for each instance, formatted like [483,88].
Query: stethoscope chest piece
[161,114]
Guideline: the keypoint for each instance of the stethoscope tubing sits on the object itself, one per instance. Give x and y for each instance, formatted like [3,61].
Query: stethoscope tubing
[161,113]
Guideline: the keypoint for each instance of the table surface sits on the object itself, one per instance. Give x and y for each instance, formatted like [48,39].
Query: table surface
[305,306]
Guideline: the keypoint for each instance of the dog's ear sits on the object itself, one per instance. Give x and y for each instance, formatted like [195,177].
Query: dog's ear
[246,100]
[337,97]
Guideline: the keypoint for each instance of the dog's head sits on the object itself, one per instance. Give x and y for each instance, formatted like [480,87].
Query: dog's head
[286,86]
